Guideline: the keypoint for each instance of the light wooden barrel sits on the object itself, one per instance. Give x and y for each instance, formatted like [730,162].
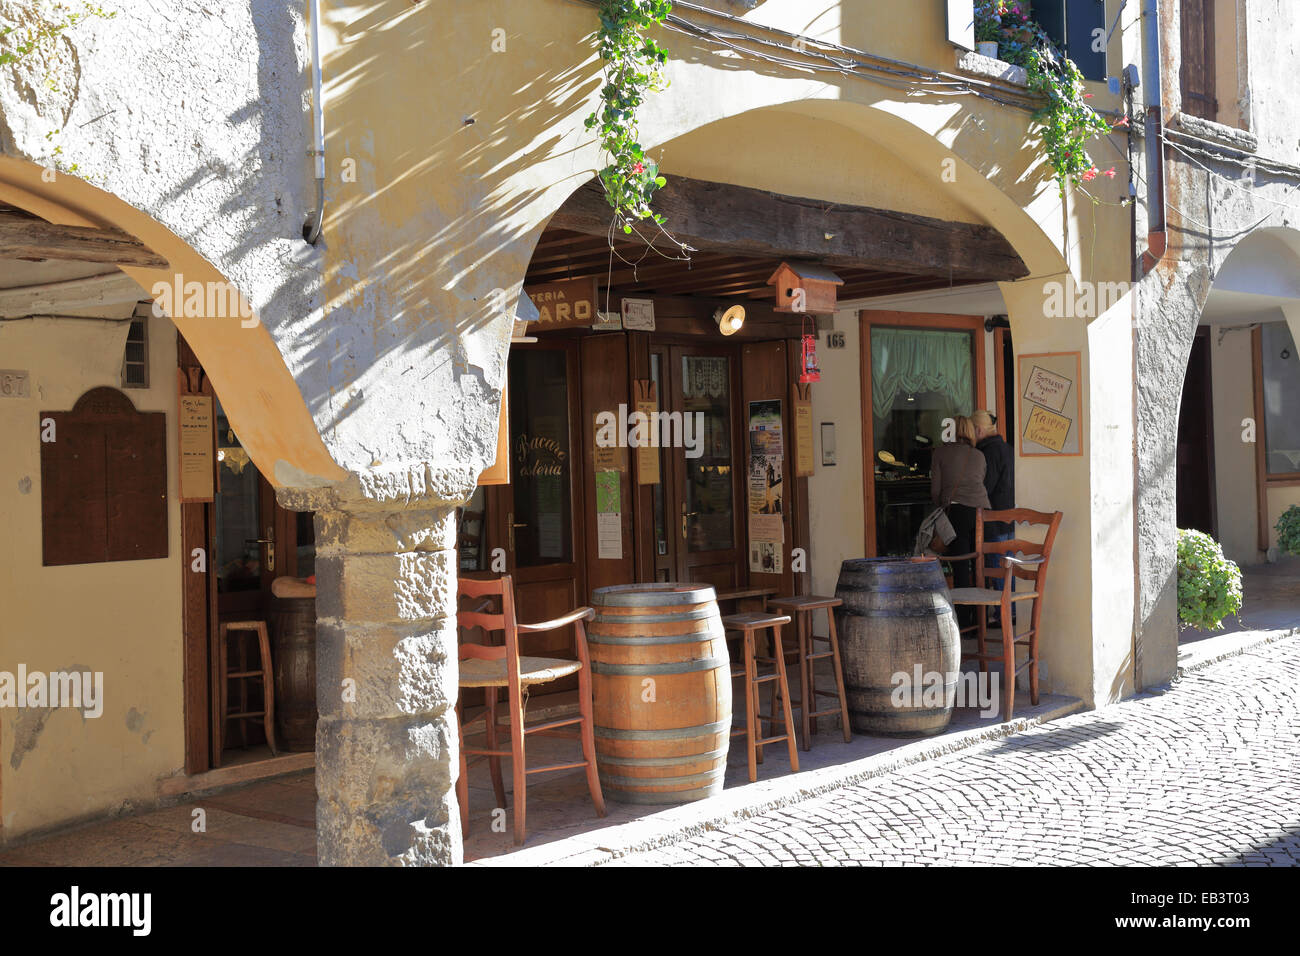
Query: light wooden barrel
[896,615]
[661,682]
[293,627]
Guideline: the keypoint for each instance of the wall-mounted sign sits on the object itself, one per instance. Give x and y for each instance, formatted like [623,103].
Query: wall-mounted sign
[1051,412]
[828,443]
[803,431]
[639,315]
[14,383]
[647,459]
[569,303]
[197,448]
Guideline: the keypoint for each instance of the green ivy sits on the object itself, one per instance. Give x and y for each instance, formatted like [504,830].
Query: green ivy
[633,66]
[1288,530]
[1209,585]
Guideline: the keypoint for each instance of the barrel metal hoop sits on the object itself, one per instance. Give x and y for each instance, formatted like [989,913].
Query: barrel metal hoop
[667,733]
[653,595]
[654,670]
[930,611]
[660,761]
[698,614]
[695,637]
[665,797]
[624,783]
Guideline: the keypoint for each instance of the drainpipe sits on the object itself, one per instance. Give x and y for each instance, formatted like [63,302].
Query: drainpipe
[311,231]
[1157,236]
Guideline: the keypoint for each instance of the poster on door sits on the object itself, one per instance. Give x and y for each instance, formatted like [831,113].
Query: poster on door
[766,484]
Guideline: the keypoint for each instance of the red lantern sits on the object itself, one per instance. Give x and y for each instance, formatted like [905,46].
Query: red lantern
[808,370]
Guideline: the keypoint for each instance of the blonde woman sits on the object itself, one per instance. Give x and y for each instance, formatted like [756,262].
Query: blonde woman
[957,486]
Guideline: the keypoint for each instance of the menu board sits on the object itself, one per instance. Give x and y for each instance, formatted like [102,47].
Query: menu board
[1051,416]
[196,448]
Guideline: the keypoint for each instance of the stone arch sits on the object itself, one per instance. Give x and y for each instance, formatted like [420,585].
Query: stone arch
[238,353]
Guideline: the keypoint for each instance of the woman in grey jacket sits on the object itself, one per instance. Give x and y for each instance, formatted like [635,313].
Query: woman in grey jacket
[957,485]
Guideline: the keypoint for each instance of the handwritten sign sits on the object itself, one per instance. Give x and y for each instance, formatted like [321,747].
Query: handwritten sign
[196,448]
[1047,388]
[639,314]
[1051,413]
[647,459]
[1047,429]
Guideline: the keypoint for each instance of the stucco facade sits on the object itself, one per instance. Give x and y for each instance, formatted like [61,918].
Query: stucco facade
[368,391]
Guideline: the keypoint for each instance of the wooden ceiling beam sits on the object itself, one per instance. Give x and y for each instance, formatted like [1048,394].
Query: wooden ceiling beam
[25,237]
[718,217]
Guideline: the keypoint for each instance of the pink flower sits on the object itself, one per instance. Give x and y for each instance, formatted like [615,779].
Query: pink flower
[1090,174]
[1123,121]
[638,167]
[1087,96]
[1110,172]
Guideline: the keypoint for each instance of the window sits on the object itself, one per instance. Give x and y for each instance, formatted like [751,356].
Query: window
[1280,384]
[135,360]
[1196,70]
[1079,28]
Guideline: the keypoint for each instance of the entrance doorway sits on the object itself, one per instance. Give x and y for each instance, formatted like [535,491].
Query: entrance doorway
[248,541]
[1196,507]
[918,371]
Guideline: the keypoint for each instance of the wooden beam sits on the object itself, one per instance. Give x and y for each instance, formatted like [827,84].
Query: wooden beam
[25,237]
[49,298]
[717,217]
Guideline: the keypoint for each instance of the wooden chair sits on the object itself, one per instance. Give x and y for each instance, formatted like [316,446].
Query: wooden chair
[746,625]
[802,608]
[494,667]
[1031,565]
[223,675]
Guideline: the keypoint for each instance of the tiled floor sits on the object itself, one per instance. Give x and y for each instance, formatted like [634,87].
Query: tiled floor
[271,823]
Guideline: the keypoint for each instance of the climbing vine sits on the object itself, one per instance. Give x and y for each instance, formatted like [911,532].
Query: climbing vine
[1066,121]
[633,67]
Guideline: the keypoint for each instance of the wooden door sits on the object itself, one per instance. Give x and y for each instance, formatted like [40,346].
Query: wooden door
[704,503]
[536,518]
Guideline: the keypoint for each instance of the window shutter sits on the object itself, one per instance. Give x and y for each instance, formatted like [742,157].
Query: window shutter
[1072,26]
[1196,72]
[1085,36]
[961,23]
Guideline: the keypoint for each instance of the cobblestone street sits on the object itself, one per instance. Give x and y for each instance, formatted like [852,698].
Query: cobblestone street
[1205,773]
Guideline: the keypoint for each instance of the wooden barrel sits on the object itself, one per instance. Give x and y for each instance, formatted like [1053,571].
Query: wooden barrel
[896,615]
[661,682]
[293,649]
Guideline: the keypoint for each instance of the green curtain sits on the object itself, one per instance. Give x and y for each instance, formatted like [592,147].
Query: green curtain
[908,361]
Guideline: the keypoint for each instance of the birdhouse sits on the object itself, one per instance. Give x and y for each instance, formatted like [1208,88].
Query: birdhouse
[804,287]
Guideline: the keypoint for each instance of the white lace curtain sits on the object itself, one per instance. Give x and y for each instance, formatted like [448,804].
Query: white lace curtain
[908,361]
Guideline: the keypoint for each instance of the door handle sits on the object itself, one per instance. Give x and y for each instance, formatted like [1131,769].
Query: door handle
[685,515]
[269,541]
[511,524]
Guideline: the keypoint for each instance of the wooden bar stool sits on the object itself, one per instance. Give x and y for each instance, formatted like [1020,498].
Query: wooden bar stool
[802,608]
[747,625]
[222,677]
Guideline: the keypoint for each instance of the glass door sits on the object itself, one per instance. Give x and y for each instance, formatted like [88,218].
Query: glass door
[702,450]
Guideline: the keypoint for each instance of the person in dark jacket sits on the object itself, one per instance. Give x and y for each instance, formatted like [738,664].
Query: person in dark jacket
[999,481]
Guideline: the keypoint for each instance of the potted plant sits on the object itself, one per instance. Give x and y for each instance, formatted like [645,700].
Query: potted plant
[1288,531]
[1209,585]
[988,27]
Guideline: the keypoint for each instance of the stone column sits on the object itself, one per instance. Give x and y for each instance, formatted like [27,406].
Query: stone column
[386,741]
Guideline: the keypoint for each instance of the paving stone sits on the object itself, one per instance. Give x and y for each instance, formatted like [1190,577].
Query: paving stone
[1204,773]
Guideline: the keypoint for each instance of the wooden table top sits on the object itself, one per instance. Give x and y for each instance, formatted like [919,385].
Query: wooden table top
[804,602]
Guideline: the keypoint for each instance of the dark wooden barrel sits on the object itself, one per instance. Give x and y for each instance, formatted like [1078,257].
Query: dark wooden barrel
[896,615]
[662,742]
[293,628]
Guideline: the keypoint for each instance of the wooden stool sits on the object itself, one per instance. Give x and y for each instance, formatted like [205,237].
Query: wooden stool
[748,624]
[803,608]
[221,685]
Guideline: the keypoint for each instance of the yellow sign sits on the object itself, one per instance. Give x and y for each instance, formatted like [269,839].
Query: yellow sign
[196,448]
[1047,428]
[803,439]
